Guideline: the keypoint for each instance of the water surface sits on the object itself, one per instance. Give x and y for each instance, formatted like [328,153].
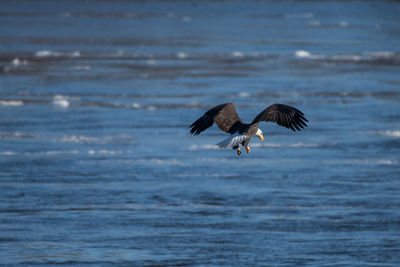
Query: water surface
[97,165]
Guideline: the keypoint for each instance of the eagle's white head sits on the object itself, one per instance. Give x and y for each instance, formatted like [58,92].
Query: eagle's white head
[259,134]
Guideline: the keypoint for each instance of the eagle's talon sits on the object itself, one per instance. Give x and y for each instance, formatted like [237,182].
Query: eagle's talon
[247,149]
[239,151]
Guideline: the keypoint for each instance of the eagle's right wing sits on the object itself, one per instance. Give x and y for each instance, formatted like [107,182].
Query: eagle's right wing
[224,116]
[284,115]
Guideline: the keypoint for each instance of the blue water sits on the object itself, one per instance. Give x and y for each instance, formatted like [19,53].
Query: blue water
[97,165]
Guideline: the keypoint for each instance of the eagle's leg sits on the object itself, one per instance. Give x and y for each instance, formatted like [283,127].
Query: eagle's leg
[238,151]
[245,143]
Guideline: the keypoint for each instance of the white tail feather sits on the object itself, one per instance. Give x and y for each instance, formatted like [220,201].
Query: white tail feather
[232,141]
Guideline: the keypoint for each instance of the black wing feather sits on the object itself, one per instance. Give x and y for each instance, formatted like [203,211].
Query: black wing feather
[284,115]
[224,116]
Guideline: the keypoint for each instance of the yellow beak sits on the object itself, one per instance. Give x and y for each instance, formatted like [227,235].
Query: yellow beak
[261,137]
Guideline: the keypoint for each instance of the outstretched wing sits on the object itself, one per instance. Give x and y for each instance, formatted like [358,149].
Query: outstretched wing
[283,115]
[224,115]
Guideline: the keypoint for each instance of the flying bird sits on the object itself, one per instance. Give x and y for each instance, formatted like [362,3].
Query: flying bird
[227,119]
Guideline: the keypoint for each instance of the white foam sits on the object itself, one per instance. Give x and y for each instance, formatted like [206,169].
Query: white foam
[73,54]
[79,139]
[60,101]
[314,23]
[166,162]
[44,53]
[181,55]
[58,152]
[109,152]
[303,145]
[82,67]
[7,153]
[151,108]
[343,24]
[17,62]
[300,15]
[136,105]
[387,162]
[302,54]
[258,144]
[351,57]
[118,53]
[22,135]
[66,15]
[50,152]
[374,161]
[278,145]
[14,103]
[238,54]
[380,54]
[244,94]
[390,133]
[150,62]
[14,135]
[49,53]
[103,152]
[158,161]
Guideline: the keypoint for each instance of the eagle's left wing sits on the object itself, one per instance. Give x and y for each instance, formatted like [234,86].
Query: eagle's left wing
[224,116]
[283,115]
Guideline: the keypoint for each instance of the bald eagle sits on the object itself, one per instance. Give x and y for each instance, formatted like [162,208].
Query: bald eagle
[227,119]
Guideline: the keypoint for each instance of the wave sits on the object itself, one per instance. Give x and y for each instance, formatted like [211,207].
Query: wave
[136,105]
[366,57]
[62,152]
[378,161]
[50,53]
[18,135]
[17,62]
[317,23]
[50,152]
[181,55]
[200,147]
[14,103]
[307,15]
[159,161]
[158,63]
[387,162]
[61,101]
[152,58]
[278,145]
[15,65]
[265,145]
[82,67]
[58,152]
[110,101]
[8,153]
[391,133]
[82,139]
[302,54]
[79,139]
[104,152]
